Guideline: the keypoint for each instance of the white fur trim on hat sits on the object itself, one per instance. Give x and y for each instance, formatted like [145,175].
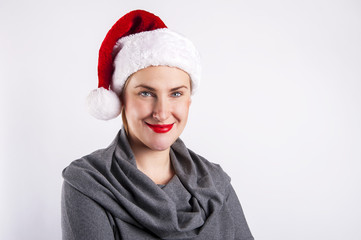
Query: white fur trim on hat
[103,104]
[161,47]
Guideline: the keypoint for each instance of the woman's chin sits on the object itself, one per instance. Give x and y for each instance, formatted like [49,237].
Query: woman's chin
[159,146]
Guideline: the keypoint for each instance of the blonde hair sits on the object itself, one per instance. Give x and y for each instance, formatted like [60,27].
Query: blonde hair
[122,99]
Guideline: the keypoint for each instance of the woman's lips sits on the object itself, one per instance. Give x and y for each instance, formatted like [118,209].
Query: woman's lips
[158,128]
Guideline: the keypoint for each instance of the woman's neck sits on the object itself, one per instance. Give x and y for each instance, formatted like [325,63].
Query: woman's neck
[155,164]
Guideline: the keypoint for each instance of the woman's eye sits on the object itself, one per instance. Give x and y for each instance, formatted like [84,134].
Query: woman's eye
[176,94]
[145,94]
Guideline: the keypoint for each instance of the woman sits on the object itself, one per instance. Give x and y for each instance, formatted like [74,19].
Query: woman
[147,184]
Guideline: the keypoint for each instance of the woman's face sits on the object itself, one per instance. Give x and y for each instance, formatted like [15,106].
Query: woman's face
[156,101]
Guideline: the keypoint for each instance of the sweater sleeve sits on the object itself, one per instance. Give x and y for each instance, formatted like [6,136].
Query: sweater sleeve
[242,231]
[82,218]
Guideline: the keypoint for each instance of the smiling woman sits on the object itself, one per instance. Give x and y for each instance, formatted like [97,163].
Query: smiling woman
[156,106]
[147,184]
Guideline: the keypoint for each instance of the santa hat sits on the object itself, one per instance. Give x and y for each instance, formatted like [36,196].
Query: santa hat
[137,40]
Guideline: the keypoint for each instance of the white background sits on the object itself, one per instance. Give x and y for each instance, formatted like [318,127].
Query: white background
[279,107]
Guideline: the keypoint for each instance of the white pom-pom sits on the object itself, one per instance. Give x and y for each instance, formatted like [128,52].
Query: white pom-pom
[103,104]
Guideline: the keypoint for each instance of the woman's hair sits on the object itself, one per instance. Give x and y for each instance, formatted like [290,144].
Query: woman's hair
[125,123]
[122,97]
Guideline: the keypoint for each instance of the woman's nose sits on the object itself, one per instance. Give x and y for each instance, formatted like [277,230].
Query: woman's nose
[161,111]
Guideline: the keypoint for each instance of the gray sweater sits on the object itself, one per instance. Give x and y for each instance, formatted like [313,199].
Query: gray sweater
[105,197]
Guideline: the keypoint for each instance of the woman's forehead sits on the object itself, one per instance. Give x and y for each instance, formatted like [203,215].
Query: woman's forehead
[160,77]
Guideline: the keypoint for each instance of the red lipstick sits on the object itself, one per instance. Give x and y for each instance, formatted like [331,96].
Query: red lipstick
[158,128]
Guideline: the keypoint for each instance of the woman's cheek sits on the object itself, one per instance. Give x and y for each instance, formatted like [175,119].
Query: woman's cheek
[182,109]
[143,108]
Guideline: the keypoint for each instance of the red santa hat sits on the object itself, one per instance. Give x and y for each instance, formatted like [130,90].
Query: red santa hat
[137,40]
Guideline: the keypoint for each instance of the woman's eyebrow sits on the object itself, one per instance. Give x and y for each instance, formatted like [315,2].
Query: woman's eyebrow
[176,88]
[145,86]
[153,89]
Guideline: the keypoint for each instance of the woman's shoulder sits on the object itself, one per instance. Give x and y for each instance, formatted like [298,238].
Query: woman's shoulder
[96,161]
[91,160]
[91,167]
